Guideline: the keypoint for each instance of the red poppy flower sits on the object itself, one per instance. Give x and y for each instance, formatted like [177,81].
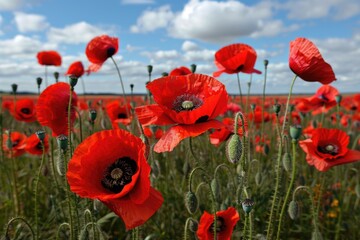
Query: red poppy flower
[18,143]
[118,113]
[256,116]
[235,58]
[327,148]
[34,146]
[225,223]
[7,105]
[306,62]
[324,99]
[220,135]
[111,166]
[149,132]
[24,110]
[99,49]
[190,102]
[76,69]
[180,71]
[49,58]
[52,108]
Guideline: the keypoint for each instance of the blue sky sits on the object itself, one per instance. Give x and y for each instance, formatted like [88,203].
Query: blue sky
[169,34]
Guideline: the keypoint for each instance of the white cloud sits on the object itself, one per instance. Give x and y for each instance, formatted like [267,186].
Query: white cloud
[189,46]
[8,5]
[309,9]
[213,21]
[81,32]
[151,20]
[129,2]
[30,22]
[162,55]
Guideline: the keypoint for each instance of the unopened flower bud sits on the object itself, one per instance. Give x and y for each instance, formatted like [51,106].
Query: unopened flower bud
[291,107]
[191,202]
[286,161]
[253,106]
[215,188]
[62,141]
[294,210]
[193,225]
[276,108]
[295,132]
[233,148]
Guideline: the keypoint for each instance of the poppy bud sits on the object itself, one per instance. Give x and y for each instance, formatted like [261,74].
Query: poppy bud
[266,63]
[293,210]
[295,131]
[215,188]
[39,81]
[338,98]
[14,88]
[73,81]
[286,161]
[193,225]
[193,68]
[266,149]
[191,202]
[233,148]
[291,107]
[40,134]
[164,74]
[276,108]
[149,69]
[247,205]
[62,141]
[258,178]
[92,115]
[56,76]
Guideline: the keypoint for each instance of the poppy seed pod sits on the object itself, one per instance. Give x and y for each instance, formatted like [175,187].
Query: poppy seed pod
[73,81]
[14,88]
[193,68]
[40,134]
[233,148]
[149,69]
[276,108]
[56,76]
[39,81]
[295,132]
[338,98]
[266,63]
[215,188]
[247,205]
[62,141]
[286,161]
[131,87]
[92,115]
[191,202]
[164,74]
[253,106]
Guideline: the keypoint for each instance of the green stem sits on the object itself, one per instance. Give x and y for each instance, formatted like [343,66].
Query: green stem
[69,121]
[68,200]
[24,221]
[239,85]
[248,95]
[197,161]
[80,124]
[60,227]
[36,192]
[287,105]
[290,187]
[15,190]
[122,87]
[263,105]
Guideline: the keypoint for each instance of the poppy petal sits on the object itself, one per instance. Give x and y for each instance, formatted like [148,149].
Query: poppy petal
[175,134]
[152,114]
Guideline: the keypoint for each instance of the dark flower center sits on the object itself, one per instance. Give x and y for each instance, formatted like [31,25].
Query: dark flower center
[119,174]
[15,143]
[187,102]
[110,51]
[331,149]
[25,110]
[220,225]
[122,115]
[39,146]
[324,98]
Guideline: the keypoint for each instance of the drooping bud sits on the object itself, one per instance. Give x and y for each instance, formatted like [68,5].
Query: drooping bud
[14,88]
[295,132]
[233,148]
[193,68]
[56,76]
[191,202]
[215,188]
[286,161]
[247,205]
[73,81]
[40,134]
[294,210]
[149,69]
[193,225]
[38,81]
[258,178]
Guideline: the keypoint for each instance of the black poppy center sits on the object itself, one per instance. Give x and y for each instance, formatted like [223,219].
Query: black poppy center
[324,98]
[25,110]
[119,174]
[15,143]
[187,102]
[220,225]
[122,115]
[39,146]
[331,149]
[110,51]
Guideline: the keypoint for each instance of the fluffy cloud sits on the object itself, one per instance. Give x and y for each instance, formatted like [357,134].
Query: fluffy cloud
[81,32]
[213,21]
[189,46]
[30,22]
[151,20]
[7,5]
[308,9]
[162,55]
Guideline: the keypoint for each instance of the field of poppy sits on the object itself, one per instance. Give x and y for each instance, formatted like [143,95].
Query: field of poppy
[184,161]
